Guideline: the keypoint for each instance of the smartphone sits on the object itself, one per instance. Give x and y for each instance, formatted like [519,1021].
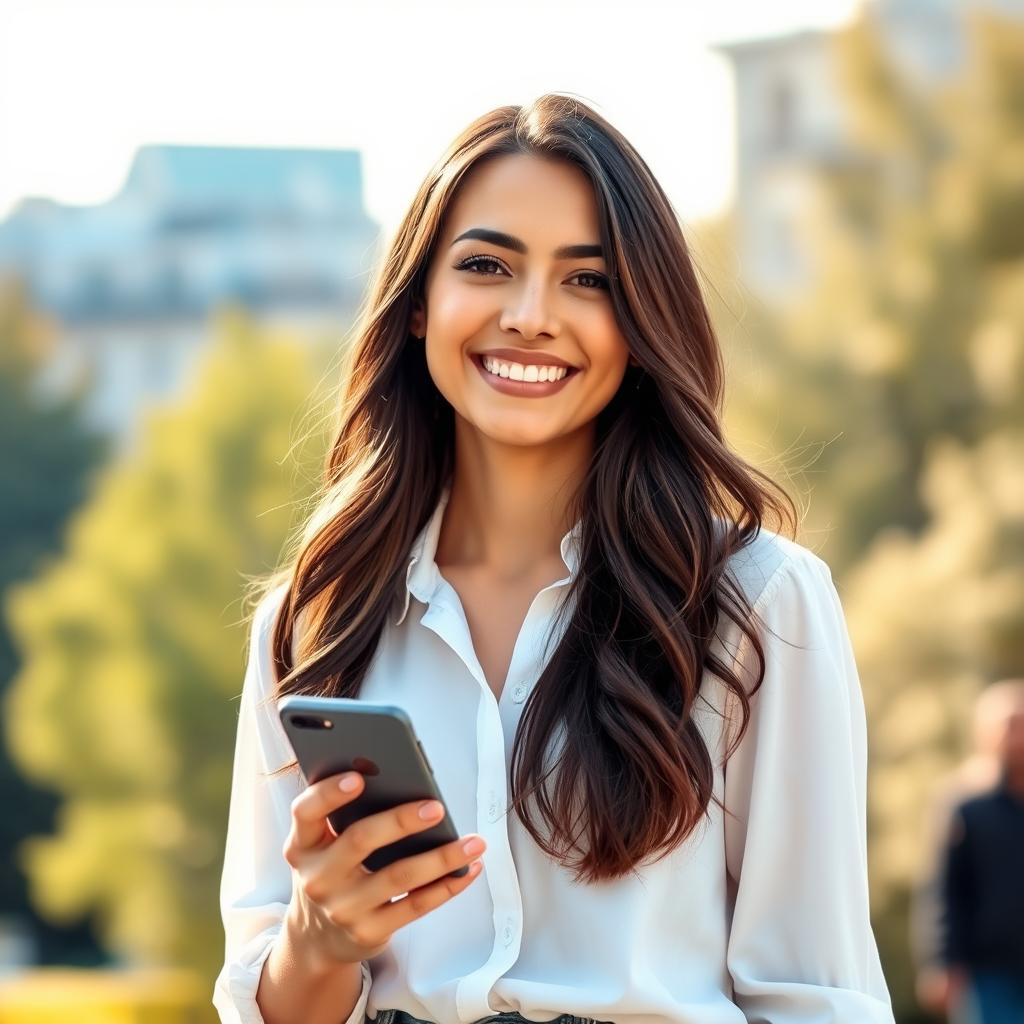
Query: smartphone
[331,735]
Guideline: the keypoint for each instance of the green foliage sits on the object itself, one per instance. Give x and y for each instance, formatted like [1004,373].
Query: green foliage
[936,603]
[897,384]
[134,652]
[47,460]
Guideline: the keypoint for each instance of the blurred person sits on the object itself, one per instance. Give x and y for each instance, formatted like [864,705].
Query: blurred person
[978,976]
[702,849]
[977,773]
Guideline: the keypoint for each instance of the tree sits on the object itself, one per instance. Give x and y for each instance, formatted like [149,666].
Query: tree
[133,659]
[913,329]
[905,368]
[47,462]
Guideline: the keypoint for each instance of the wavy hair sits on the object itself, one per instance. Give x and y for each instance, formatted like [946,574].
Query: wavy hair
[662,506]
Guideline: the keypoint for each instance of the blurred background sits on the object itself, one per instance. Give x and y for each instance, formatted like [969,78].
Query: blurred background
[192,200]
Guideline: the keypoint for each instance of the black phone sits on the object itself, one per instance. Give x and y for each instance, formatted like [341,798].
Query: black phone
[331,735]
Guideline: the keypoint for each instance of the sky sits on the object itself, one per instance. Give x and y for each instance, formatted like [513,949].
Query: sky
[84,84]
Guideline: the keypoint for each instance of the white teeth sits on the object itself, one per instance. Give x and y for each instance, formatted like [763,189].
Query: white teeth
[517,371]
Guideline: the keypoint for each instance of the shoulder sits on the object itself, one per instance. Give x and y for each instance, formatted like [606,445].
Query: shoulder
[769,561]
[262,727]
[979,805]
[261,624]
[265,613]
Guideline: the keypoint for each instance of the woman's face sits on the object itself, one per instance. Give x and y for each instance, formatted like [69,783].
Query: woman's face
[520,292]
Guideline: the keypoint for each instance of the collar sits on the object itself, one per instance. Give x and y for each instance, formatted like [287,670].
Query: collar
[422,575]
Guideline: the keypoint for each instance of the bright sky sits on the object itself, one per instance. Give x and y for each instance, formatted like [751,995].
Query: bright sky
[82,85]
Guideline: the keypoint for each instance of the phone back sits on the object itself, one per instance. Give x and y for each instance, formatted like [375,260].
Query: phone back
[331,735]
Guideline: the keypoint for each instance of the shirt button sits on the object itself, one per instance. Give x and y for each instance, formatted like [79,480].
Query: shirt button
[519,693]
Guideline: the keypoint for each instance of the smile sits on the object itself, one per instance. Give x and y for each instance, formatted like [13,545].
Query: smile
[522,388]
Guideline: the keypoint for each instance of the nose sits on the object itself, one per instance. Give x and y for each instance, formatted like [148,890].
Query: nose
[529,313]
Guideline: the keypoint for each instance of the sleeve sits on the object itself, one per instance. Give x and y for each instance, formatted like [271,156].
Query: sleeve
[957,893]
[256,883]
[801,946]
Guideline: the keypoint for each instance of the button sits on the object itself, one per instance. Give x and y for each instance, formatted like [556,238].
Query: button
[519,693]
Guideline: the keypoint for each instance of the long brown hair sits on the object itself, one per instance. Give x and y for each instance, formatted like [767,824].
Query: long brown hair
[622,683]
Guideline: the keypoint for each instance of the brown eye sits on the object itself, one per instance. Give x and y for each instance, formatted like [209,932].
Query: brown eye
[474,264]
[599,280]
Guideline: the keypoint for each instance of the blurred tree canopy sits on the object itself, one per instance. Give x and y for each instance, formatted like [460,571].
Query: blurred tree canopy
[896,383]
[133,657]
[47,463]
[913,327]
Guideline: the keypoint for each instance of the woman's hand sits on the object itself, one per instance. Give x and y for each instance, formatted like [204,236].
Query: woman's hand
[340,910]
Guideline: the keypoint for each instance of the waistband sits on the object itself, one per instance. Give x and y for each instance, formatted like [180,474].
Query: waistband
[505,1017]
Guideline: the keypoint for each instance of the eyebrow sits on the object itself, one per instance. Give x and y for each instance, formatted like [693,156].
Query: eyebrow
[565,252]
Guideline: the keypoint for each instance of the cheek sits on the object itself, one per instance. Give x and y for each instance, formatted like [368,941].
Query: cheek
[603,342]
[457,313]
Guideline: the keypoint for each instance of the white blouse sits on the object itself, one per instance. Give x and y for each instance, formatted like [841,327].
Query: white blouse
[759,916]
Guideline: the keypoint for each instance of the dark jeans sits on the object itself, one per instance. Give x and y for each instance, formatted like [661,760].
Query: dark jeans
[507,1017]
[993,997]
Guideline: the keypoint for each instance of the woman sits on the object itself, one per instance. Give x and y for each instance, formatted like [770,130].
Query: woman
[577,561]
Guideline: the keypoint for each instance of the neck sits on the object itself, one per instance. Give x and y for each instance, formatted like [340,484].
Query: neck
[509,504]
[1013,779]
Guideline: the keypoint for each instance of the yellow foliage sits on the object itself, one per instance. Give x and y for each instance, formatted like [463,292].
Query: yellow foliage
[59,995]
[133,652]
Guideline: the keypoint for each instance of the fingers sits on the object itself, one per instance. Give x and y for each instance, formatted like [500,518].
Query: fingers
[411,874]
[366,910]
[309,814]
[378,921]
[423,899]
[360,839]
[368,834]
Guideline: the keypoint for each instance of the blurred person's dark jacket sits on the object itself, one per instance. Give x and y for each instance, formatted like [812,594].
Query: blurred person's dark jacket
[981,883]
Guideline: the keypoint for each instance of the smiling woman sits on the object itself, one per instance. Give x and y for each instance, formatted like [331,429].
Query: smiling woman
[549,296]
[640,695]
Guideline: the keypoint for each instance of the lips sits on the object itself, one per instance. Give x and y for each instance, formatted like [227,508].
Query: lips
[478,358]
[519,388]
[511,355]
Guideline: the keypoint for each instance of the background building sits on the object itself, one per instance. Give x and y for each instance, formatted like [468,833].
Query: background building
[791,125]
[131,281]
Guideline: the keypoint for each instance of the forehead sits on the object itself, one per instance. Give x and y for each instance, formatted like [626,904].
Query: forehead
[539,199]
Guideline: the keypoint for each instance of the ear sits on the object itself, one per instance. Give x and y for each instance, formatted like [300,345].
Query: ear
[418,320]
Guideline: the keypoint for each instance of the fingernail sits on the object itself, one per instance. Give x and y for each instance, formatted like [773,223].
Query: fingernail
[348,783]
[431,809]
[473,846]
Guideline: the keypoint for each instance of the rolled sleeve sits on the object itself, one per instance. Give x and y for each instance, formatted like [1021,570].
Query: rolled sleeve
[256,882]
[801,947]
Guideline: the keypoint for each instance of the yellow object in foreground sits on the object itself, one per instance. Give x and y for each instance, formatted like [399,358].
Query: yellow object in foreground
[56,995]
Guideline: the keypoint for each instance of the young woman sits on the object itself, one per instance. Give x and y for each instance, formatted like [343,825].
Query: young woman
[640,699]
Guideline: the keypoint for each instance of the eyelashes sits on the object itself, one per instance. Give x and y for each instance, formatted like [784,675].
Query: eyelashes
[472,265]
